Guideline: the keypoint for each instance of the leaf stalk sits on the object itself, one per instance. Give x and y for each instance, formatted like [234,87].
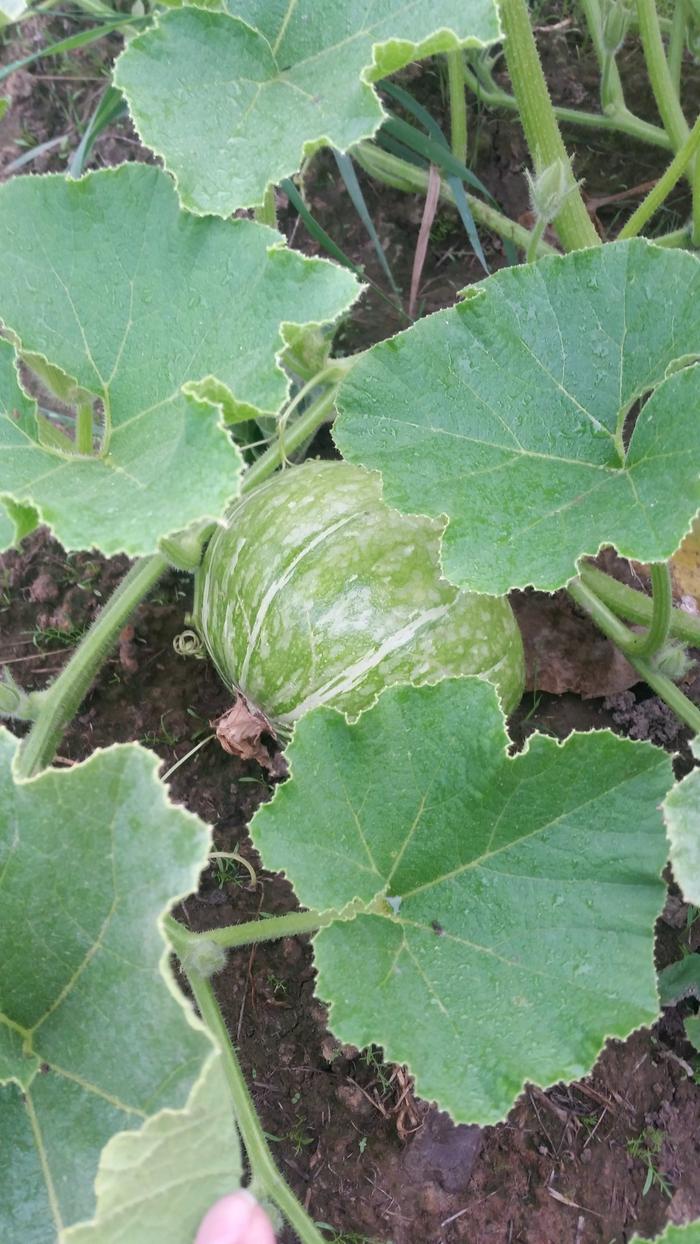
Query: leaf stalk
[615,630]
[64,695]
[659,626]
[458,104]
[637,607]
[662,83]
[394,171]
[658,193]
[251,931]
[263,1168]
[619,120]
[573,224]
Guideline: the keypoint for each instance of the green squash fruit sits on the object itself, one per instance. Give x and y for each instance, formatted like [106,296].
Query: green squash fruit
[316,592]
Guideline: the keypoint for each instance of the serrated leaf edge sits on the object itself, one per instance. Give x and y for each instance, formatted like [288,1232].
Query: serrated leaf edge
[373,907]
[154,762]
[472,295]
[372,73]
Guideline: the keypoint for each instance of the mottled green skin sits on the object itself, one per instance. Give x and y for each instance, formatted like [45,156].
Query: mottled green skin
[316,592]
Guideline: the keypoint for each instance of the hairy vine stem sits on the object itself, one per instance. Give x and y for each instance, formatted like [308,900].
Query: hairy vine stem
[662,600]
[653,200]
[621,121]
[394,171]
[264,1170]
[63,697]
[676,44]
[612,97]
[573,224]
[635,606]
[662,83]
[233,935]
[458,104]
[615,630]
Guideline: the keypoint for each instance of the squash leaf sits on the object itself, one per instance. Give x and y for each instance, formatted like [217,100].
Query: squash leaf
[687,1234]
[204,86]
[95,1037]
[510,414]
[682,815]
[171,324]
[158,1183]
[506,905]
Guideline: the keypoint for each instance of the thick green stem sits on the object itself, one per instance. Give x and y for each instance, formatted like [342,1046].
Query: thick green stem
[659,616]
[573,224]
[264,1171]
[664,186]
[669,693]
[63,697]
[676,44]
[661,605]
[83,428]
[394,171]
[637,607]
[607,622]
[266,213]
[291,925]
[302,428]
[620,636]
[662,85]
[622,121]
[695,221]
[458,104]
[612,97]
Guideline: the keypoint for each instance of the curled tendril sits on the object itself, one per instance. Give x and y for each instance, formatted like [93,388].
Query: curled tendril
[188,644]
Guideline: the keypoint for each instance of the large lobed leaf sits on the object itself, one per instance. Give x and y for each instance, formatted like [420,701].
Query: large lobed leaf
[682,815]
[95,1038]
[167,320]
[158,1183]
[509,902]
[507,414]
[687,1234]
[234,100]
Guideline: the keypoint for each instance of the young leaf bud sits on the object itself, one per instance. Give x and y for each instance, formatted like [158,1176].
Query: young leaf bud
[202,956]
[615,26]
[550,189]
[673,661]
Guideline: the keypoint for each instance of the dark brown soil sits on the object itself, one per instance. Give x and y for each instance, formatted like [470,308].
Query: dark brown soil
[361,1153]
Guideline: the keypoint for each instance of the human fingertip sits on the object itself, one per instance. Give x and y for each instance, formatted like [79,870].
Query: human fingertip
[236,1219]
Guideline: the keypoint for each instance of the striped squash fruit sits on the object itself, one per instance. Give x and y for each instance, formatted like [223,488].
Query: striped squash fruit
[313,591]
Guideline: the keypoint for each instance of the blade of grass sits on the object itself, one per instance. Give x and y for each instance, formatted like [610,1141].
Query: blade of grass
[110,108]
[461,203]
[404,175]
[326,241]
[346,168]
[431,201]
[69,45]
[433,146]
[455,182]
[34,153]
